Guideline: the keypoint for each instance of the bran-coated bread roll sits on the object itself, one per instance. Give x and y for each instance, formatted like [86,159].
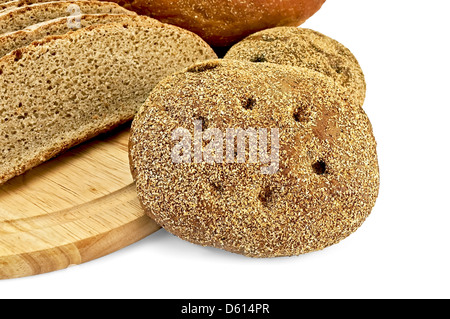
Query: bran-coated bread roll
[304,48]
[321,190]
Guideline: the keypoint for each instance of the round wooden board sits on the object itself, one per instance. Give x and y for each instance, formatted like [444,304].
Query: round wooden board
[77,207]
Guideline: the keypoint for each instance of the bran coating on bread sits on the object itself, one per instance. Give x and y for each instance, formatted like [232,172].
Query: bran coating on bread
[328,177]
[304,48]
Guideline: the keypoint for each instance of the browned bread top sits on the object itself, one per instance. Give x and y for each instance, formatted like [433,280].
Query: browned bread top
[322,188]
[304,48]
[222,23]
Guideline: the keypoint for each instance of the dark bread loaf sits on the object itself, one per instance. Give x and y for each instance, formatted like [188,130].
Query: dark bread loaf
[304,48]
[222,23]
[322,189]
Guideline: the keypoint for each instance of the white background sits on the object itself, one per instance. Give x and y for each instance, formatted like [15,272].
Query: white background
[401,251]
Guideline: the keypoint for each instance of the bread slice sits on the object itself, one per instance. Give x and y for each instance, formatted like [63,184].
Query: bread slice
[7,4]
[62,90]
[10,4]
[304,48]
[18,39]
[13,4]
[20,18]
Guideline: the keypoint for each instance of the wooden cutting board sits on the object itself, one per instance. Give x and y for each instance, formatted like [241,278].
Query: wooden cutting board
[77,207]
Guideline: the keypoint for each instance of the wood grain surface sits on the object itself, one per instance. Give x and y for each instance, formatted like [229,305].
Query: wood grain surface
[77,207]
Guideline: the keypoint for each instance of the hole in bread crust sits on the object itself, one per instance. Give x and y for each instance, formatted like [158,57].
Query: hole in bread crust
[266,196]
[259,58]
[319,167]
[249,103]
[217,187]
[301,114]
[339,69]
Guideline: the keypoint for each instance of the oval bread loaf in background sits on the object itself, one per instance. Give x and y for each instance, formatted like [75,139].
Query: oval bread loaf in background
[222,23]
[63,90]
[318,190]
[304,48]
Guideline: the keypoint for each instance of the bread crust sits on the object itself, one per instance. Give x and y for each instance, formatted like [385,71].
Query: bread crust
[328,177]
[304,48]
[222,23]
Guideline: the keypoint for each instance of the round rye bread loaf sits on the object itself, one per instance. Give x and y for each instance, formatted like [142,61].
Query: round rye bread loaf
[311,180]
[304,48]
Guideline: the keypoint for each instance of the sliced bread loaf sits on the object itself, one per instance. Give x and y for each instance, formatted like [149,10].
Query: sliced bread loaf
[18,39]
[22,17]
[63,90]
